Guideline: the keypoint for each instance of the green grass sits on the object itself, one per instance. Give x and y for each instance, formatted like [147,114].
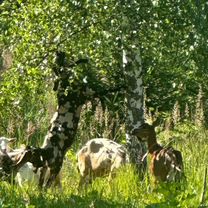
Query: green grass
[126,189]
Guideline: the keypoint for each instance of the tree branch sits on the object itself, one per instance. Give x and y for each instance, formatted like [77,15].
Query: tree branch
[62,41]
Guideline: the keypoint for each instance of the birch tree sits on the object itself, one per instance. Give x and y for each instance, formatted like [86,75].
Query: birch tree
[132,66]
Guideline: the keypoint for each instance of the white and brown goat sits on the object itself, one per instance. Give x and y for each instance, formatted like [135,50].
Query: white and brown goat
[100,157]
[5,144]
[12,163]
[166,162]
[28,165]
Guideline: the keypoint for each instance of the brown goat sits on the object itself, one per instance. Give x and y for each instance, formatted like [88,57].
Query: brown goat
[166,162]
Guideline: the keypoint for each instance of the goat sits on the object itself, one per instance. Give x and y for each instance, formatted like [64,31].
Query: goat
[99,157]
[166,162]
[4,143]
[26,173]
[10,155]
[28,165]
[6,163]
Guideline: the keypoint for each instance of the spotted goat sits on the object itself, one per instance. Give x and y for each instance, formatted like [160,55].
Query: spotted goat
[100,157]
[166,162]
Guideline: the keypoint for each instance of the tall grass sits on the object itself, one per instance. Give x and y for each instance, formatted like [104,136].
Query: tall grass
[126,189]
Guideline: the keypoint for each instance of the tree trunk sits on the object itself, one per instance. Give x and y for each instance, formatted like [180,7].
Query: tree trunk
[134,106]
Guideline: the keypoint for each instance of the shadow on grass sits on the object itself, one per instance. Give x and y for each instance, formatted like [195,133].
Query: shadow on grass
[159,205]
[92,199]
[171,195]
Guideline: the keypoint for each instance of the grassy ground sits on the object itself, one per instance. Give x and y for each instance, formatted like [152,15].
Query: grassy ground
[126,190]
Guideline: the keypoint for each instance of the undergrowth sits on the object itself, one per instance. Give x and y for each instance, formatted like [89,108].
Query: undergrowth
[126,189]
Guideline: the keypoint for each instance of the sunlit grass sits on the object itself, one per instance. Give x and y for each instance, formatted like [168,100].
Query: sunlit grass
[126,189]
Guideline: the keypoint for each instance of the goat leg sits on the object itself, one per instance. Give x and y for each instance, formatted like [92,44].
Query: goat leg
[52,176]
[42,176]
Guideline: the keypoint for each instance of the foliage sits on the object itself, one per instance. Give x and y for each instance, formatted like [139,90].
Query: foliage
[34,31]
[171,35]
[172,42]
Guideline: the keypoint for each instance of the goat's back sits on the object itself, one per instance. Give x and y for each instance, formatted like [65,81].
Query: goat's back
[100,156]
[167,164]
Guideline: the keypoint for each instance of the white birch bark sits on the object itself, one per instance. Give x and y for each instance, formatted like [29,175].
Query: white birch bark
[134,105]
